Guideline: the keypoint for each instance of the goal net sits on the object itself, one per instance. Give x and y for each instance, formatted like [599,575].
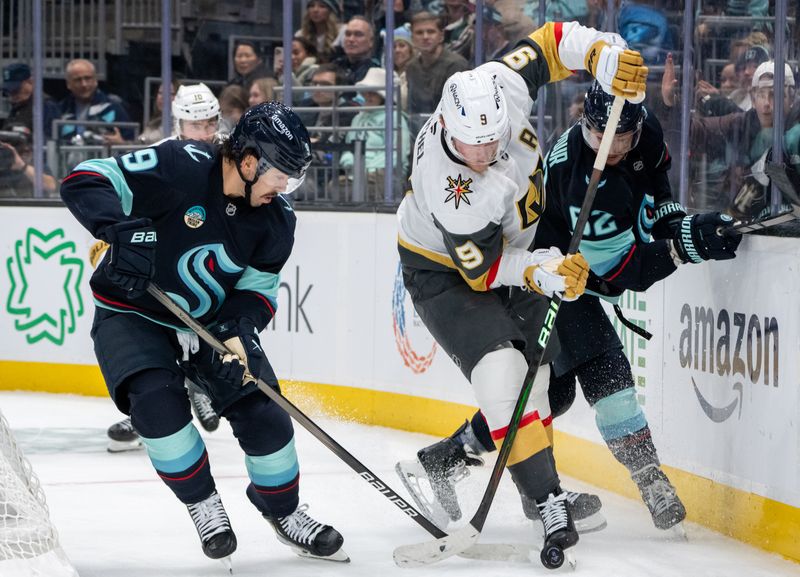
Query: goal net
[28,541]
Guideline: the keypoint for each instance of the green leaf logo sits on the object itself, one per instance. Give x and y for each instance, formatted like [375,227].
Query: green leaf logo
[42,264]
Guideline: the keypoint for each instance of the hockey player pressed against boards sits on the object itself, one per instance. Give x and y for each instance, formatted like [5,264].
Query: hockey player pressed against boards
[210,226]
[465,233]
[195,116]
[642,238]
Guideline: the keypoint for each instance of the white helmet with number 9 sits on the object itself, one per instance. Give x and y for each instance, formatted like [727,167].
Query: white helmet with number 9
[474,110]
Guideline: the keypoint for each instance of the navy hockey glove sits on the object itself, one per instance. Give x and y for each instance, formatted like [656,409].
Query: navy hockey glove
[132,255]
[249,362]
[706,236]
[667,216]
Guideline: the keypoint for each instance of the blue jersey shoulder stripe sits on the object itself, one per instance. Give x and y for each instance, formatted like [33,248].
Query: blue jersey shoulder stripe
[109,168]
[604,255]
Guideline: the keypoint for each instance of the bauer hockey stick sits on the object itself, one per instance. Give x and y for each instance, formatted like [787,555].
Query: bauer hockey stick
[298,415]
[499,551]
[419,554]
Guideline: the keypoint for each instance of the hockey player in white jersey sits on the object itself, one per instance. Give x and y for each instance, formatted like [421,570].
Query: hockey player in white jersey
[195,116]
[465,230]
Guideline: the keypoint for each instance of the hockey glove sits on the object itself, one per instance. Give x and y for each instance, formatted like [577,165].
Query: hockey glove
[550,272]
[706,236]
[619,71]
[248,361]
[667,219]
[132,253]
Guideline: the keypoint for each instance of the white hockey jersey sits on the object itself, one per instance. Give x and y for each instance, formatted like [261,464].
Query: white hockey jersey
[454,218]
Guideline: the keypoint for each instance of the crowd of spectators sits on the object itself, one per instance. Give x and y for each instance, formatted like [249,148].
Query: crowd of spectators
[339,49]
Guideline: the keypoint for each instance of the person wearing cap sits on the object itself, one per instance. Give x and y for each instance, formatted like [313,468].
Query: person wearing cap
[17,175]
[18,89]
[495,39]
[737,145]
[403,53]
[321,26]
[86,101]
[370,127]
[745,67]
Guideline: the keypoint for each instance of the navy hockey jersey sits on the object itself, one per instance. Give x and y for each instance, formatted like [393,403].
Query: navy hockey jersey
[217,256]
[617,241]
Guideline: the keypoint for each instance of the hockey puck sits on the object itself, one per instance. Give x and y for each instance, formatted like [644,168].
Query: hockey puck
[552,557]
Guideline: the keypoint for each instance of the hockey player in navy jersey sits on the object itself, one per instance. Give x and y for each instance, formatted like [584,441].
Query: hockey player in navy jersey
[466,231]
[637,235]
[211,227]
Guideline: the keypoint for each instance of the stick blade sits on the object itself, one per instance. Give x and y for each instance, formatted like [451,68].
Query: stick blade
[502,552]
[429,552]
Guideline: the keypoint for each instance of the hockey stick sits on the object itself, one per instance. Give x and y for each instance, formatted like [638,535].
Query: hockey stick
[500,552]
[419,554]
[298,415]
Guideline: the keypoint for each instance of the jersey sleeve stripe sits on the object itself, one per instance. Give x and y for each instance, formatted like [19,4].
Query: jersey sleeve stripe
[263,284]
[109,168]
[492,274]
[604,255]
[430,255]
[547,38]
[623,265]
[81,173]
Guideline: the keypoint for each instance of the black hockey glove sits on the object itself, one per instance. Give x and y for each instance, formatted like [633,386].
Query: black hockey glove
[132,255]
[706,236]
[667,218]
[248,362]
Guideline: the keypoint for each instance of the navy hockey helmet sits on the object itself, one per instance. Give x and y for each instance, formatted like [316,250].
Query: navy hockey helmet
[277,137]
[596,109]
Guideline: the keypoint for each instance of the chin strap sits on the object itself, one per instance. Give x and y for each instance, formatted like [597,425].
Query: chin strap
[248,184]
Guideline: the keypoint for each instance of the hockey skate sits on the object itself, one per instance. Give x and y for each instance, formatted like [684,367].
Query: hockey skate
[201,405]
[440,466]
[123,437]
[559,531]
[584,508]
[214,529]
[660,497]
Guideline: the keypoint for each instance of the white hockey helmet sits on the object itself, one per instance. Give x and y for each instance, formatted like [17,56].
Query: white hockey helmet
[474,110]
[194,102]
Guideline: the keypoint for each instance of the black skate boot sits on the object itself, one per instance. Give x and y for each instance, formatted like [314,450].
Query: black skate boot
[442,465]
[307,537]
[584,508]
[205,413]
[214,528]
[660,497]
[559,531]
[123,437]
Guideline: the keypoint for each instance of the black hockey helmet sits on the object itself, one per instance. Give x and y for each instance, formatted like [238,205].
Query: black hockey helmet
[277,137]
[596,109]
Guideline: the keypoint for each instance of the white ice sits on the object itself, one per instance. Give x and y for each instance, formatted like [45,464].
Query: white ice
[117,519]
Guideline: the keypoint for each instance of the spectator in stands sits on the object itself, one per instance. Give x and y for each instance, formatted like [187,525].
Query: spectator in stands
[376,141]
[456,18]
[746,65]
[153,131]
[262,90]
[321,27]
[735,144]
[86,101]
[18,88]
[433,65]
[325,75]
[517,23]
[495,40]
[304,60]
[359,51]
[232,104]
[402,17]
[403,54]
[248,64]
[17,174]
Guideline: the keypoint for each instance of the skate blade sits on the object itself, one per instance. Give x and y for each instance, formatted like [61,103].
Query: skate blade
[410,473]
[590,524]
[123,446]
[569,557]
[678,532]
[339,557]
[227,563]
